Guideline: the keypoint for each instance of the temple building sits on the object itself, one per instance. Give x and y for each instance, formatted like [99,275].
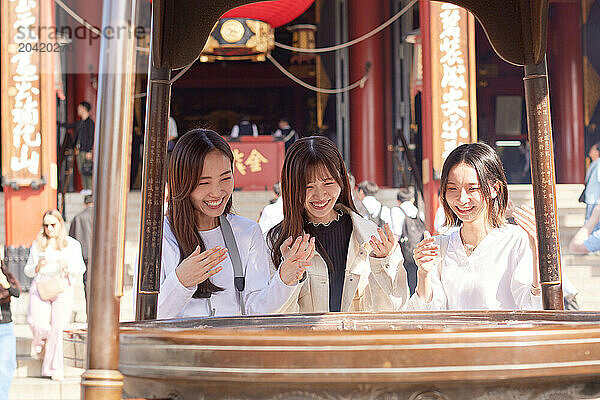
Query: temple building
[396,102]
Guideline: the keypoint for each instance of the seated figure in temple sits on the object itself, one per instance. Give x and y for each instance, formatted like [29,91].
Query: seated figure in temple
[215,262]
[355,265]
[486,263]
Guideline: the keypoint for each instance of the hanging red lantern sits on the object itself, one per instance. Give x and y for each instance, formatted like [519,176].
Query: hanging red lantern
[274,13]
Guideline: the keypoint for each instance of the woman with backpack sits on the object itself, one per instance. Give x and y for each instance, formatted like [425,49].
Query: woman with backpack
[486,264]
[408,224]
[355,265]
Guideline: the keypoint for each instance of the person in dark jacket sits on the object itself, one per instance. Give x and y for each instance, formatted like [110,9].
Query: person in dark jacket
[9,287]
[244,128]
[82,229]
[286,132]
[83,141]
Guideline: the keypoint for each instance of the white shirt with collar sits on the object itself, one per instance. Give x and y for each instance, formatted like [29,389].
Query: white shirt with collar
[264,292]
[496,276]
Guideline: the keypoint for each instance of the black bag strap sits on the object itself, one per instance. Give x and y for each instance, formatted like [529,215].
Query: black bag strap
[238,272]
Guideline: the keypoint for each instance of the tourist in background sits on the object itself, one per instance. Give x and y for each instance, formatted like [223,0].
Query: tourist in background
[82,230]
[83,142]
[272,214]
[286,132]
[377,212]
[9,287]
[54,260]
[244,128]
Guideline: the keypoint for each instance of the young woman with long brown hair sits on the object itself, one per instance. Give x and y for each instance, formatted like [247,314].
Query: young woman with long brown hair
[197,274]
[356,265]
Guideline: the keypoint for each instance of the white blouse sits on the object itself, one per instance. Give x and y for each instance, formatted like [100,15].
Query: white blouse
[496,276]
[264,292]
[70,254]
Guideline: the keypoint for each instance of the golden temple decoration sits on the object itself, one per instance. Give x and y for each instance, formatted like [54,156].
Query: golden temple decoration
[239,39]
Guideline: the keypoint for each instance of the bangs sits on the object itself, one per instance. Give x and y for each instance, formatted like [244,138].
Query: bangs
[320,171]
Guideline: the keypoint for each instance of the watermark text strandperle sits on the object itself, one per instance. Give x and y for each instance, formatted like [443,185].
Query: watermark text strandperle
[33,34]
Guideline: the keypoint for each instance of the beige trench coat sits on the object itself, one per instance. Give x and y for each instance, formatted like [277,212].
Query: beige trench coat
[370,284]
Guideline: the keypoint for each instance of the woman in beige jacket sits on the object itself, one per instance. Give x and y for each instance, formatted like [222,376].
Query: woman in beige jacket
[355,266]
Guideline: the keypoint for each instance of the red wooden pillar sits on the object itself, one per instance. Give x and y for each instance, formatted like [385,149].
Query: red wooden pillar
[86,53]
[566,86]
[367,109]
[430,186]
[388,93]
[82,75]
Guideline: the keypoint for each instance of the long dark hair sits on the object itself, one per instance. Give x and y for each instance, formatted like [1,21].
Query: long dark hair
[490,173]
[306,157]
[185,169]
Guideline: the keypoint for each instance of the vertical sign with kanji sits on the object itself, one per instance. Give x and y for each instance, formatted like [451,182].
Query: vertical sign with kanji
[454,115]
[21,88]
[28,112]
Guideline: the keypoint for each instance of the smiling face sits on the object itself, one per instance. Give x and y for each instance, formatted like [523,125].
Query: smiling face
[322,192]
[213,191]
[51,226]
[464,194]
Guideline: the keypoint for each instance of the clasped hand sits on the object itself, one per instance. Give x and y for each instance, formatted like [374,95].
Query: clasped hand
[199,266]
[426,254]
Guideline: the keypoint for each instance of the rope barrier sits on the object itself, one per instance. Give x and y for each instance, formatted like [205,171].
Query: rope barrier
[359,83]
[354,41]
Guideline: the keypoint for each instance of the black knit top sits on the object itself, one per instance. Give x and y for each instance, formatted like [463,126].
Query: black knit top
[335,239]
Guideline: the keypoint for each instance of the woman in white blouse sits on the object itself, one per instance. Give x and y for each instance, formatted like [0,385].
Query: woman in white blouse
[197,273]
[53,255]
[486,264]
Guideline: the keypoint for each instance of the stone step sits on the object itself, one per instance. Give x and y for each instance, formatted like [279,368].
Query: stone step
[583,260]
[30,367]
[23,346]
[45,389]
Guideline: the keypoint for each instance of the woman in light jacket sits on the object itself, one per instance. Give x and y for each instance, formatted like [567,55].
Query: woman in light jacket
[197,274]
[53,254]
[356,265]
